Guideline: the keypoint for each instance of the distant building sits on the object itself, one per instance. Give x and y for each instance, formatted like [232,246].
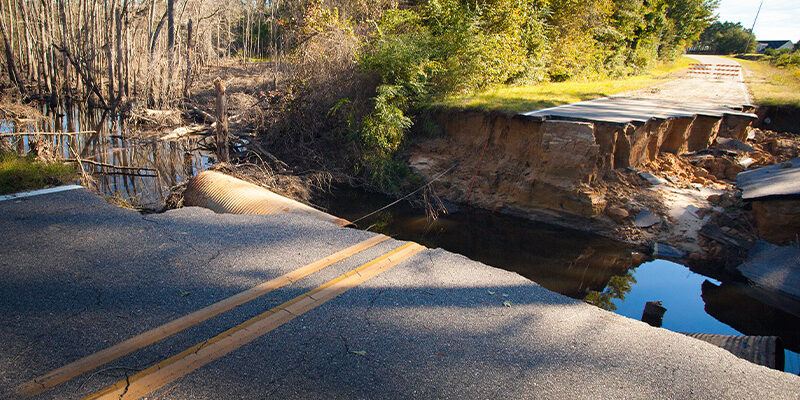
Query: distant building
[764,45]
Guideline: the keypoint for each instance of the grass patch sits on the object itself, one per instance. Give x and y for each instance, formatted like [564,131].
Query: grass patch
[770,85]
[25,173]
[516,99]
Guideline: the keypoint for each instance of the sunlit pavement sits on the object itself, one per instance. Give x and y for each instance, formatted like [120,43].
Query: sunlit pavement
[710,89]
[80,275]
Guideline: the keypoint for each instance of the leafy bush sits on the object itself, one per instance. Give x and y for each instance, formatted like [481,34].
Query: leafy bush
[443,47]
[783,58]
[440,47]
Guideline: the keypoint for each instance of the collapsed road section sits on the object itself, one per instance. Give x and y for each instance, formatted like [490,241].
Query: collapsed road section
[646,167]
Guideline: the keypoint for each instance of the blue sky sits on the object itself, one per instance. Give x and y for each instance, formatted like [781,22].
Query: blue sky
[779,19]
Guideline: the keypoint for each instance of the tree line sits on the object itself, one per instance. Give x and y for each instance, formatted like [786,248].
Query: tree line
[104,51]
[443,47]
[357,72]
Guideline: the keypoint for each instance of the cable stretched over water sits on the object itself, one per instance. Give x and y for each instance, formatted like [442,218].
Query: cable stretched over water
[435,178]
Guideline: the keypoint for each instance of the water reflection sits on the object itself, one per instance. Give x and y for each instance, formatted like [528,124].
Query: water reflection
[734,305]
[569,262]
[582,266]
[123,163]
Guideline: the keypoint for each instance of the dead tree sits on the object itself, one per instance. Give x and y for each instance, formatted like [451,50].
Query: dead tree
[222,122]
[187,80]
[170,30]
[13,72]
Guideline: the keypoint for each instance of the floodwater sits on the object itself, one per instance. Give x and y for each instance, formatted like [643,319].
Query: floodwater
[580,265]
[135,169]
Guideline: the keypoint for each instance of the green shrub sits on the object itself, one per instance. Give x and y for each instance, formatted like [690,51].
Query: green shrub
[784,59]
[443,47]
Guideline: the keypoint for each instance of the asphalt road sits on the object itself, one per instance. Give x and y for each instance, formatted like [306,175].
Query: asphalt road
[78,275]
[690,95]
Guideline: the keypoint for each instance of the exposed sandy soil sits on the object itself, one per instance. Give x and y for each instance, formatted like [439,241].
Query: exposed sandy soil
[699,189]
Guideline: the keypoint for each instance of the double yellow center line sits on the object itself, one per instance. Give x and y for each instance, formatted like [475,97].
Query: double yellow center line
[204,352]
[76,368]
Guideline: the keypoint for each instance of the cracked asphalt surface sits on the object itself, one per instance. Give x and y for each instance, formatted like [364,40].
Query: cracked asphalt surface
[78,274]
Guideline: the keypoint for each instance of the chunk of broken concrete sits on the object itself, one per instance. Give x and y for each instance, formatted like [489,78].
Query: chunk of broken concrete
[618,214]
[734,144]
[646,219]
[774,268]
[651,179]
[666,251]
[746,162]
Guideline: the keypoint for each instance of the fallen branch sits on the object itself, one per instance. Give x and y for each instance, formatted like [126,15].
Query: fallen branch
[183,131]
[101,164]
[45,133]
[260,150]
[126,174]
[204,116]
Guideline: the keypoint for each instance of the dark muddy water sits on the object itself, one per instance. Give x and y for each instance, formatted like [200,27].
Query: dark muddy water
[163,163]
[580,265]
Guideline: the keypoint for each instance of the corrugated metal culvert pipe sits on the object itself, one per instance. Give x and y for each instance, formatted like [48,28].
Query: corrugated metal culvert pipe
[225,194]
[762,350]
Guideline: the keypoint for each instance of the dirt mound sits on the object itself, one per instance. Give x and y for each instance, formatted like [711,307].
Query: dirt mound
[680,171]
[774,147]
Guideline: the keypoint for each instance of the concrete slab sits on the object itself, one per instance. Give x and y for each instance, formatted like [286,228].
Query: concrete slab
[623,110]
[78,275]
[775,268]
[774,180]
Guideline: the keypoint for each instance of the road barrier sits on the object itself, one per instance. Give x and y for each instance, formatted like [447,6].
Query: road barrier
[716,71]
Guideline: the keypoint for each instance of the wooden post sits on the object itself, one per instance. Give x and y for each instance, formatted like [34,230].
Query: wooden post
[222,122]
[653,313]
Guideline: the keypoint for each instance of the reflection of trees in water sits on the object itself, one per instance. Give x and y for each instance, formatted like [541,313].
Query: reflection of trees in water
[737,305]
[115,143]
[618,286]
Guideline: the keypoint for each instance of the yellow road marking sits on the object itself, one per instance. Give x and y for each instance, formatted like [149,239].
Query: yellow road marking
[204,352]
[90,362]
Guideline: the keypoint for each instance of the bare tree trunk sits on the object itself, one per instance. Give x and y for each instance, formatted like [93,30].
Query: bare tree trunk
[108,48]
[64,43]
[154,38]
[222,122]
[13,73]
[44,47]
[274,46]
[170,30]
[118,22]
[187,81]
[31,66]
[127,54]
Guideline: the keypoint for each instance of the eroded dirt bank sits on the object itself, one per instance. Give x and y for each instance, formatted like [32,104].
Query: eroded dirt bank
[656,182]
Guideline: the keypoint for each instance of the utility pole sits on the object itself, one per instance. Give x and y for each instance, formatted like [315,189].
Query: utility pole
[752,34]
